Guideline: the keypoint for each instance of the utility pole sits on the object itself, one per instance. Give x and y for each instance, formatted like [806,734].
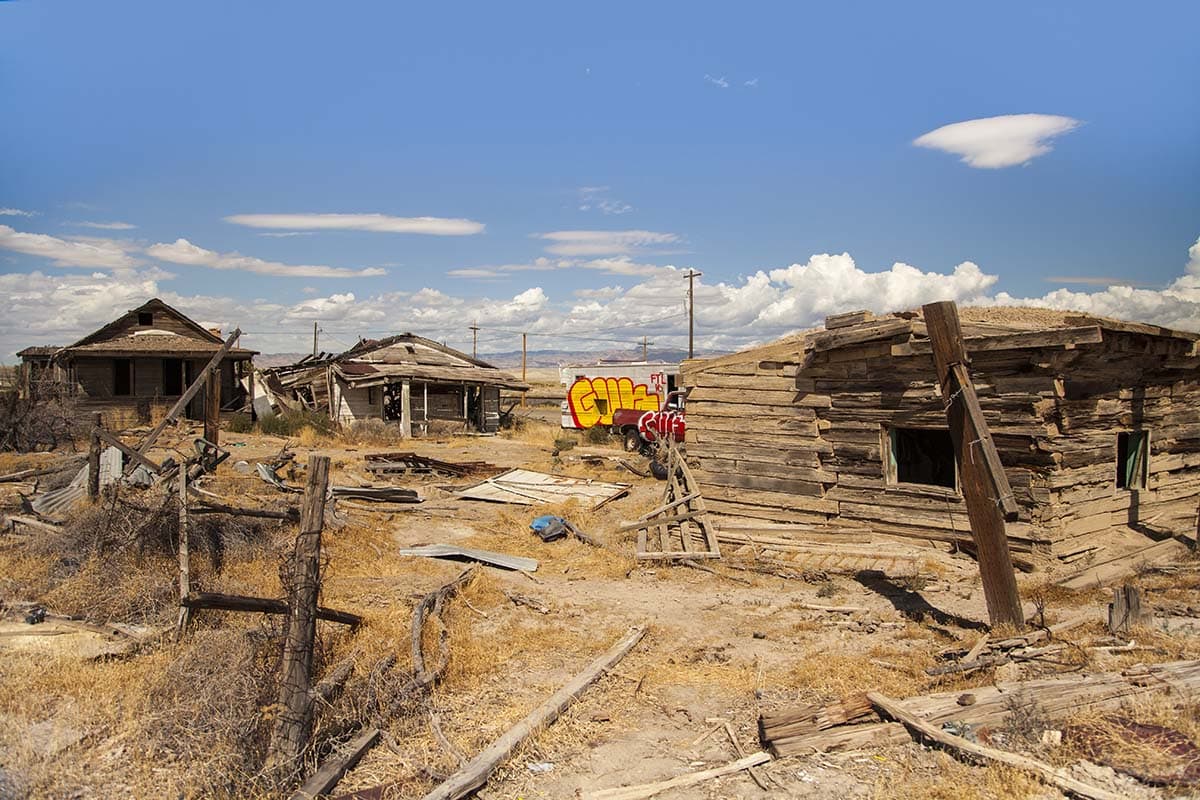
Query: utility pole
[691,276]
[474,340]
[645,349]
[314,339]
[524,337]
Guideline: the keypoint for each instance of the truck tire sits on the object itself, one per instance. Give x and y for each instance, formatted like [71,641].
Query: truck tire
[632,440]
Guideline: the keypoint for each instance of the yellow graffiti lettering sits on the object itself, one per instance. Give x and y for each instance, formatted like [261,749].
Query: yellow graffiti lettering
[592,401]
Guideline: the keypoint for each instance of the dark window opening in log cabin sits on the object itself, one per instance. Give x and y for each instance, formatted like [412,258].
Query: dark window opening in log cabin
[122,377]
[921,456]
[1133,457]
[172,370]
[145,318]
[372,395]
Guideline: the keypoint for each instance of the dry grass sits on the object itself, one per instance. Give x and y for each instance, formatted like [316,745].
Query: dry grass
[940,777]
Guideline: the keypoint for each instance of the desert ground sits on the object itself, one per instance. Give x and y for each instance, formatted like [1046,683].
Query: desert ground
[87,713]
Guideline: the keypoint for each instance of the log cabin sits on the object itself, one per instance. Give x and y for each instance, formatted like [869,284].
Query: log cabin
[408,379]
[149,353]
[844,430]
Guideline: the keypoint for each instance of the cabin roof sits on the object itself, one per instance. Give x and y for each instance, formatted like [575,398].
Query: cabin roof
[984,328]
[117,340]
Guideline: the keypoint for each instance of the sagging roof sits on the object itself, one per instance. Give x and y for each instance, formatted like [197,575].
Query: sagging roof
[373,362]
[39,351]
[153,328]
[984,329]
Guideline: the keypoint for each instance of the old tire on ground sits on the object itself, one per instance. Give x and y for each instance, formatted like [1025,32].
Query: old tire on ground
[632,440]
[658,470]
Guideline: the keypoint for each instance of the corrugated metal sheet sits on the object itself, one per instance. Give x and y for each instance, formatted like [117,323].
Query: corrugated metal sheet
[471,554]
[525,487]
[56,503]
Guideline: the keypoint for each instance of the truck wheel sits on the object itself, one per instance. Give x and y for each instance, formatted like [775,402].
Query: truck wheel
[633,441]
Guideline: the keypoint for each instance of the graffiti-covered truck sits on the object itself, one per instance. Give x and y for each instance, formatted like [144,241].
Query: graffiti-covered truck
[597,393]
[638,429]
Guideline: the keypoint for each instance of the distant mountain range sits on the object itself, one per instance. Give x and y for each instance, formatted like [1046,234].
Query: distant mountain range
[534,358]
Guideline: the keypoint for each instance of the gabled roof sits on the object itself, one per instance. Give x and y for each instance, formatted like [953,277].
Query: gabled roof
[110,330]
[125,336]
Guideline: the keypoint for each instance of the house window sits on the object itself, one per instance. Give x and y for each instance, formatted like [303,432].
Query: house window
[372,396]
[122,377]
[918,455]
[1133,459]
[146,318]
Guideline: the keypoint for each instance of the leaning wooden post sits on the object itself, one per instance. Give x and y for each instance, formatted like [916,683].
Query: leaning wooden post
[184,562]
[291,730]
[212,407]
[989,498]
[93,484]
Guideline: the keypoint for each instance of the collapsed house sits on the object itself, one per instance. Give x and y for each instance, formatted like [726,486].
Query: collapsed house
[1097,424]
[408,379]
[152,352]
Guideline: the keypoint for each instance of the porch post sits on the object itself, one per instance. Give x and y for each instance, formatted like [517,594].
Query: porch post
[406,409]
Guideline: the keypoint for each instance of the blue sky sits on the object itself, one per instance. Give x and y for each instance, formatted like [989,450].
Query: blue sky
[739,141]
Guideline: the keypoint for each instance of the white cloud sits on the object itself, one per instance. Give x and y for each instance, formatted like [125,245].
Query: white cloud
[720,83]
[603,293]
[16,212]
[285,234]
[479,273]
[603,243]
[104,226]
[184,252]
[377,223]
[80,252]
[595,198]
[995,142]
[753,82]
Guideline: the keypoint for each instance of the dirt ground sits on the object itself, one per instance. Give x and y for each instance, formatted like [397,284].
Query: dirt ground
[721,646]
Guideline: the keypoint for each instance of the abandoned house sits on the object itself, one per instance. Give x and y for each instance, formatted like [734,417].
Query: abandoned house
[408,379]
[1097,424]
[150,353]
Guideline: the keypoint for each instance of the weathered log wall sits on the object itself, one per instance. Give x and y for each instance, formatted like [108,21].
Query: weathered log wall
[795,435]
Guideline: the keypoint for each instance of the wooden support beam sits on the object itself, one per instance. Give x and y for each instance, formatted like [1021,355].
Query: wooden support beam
[289,737]
[58,466]
[187,396]
[330,772]
[985,488]
[93,462]
[475,772]
[263,605]
[1055,776]
[135,457]
[185,584]
[212,407]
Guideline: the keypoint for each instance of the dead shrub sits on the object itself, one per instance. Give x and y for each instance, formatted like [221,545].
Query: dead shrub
[373,432]
[210,710]
[36,423]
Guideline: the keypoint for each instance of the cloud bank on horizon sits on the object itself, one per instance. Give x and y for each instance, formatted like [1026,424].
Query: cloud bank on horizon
[41,308]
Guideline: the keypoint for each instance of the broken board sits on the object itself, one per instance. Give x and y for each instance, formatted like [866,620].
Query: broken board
[525,487]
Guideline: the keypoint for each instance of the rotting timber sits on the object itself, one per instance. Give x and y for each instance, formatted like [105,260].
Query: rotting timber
[1095,422]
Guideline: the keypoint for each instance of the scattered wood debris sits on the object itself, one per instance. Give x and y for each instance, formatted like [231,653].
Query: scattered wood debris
[526,487]
[1122,566]
[961,746]
[791,730]
[413,464]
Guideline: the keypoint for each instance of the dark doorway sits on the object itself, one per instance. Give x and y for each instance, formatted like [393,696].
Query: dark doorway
[172,376]
[122,377]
